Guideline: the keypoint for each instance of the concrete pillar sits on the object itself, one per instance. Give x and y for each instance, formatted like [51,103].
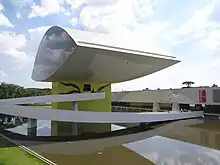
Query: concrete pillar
[75,125]
[175,107]
[32,127]
[156,107]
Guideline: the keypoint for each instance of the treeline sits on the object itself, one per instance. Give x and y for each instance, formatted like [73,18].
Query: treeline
[15,91]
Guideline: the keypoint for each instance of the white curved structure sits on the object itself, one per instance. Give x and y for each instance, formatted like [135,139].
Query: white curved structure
[84,56]
[55,98]
[88,57]
[8,107]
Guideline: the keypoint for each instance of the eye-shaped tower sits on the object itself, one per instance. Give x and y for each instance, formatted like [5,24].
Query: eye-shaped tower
[77,61]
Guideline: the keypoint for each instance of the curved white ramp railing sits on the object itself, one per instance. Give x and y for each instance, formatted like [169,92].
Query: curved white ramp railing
[9,107]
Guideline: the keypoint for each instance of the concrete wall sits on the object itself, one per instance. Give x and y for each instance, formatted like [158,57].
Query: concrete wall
[183,96]
[193,93]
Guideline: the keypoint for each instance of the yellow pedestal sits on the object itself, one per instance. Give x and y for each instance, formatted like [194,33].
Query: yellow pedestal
[66,128]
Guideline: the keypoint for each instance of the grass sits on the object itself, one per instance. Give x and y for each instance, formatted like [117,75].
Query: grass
[13,155]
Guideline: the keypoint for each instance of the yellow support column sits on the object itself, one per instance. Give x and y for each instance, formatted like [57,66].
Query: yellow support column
[66,128]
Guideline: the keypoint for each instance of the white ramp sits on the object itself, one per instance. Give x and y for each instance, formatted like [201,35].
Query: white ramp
[7,106]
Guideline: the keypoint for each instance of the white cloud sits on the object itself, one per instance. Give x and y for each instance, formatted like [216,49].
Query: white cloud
[21,50]
[73,21]
[21,3]
[212,40]
[20,58]
[75,3]
[33,84]
[125,19]
[3,76]
[67,13]
[196,26]
[200,27]
[46,8]
[173,76]
[49,7]
[18,15]
[11,45]
[10,39]
[16,54]
[114,15]
[3,19]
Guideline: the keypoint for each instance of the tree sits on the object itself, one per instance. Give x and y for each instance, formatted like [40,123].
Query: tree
[214,85]
[188,83]
[15,91]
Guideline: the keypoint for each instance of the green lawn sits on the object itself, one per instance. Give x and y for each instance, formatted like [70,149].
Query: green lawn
[13,155]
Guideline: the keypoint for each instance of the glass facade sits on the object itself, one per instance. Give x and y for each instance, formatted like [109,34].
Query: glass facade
[55,47]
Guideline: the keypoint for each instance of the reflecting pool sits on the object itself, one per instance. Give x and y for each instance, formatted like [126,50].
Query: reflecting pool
[196,144]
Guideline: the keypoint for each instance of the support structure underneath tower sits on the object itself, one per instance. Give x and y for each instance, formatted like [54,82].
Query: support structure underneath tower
[67,128]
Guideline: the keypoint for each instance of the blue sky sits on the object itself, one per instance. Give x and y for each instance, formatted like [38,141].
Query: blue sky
[189,30]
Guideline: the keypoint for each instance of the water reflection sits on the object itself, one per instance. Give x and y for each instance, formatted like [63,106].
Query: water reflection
[44,128]
[173,145]
[196,135]
[162,150]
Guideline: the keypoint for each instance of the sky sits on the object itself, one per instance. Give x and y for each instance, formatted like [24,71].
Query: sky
[186,29]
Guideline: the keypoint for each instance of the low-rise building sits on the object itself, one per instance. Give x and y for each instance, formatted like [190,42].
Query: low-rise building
[194,98]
